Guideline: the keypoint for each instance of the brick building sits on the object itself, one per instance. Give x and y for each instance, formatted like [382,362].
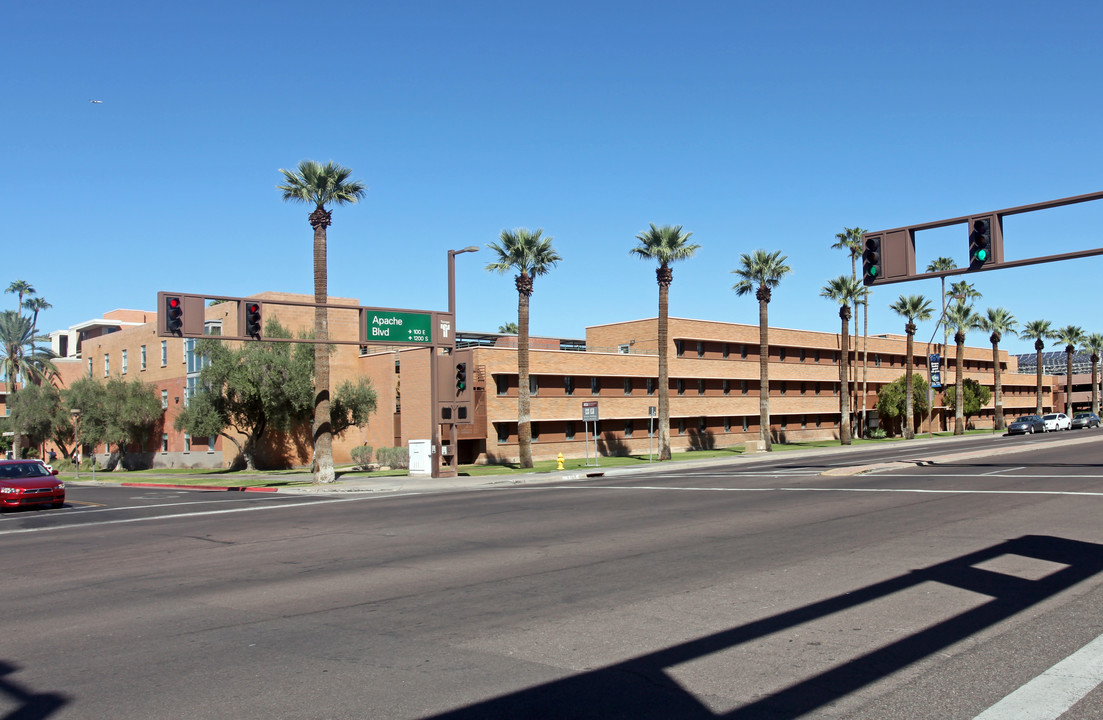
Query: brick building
[714,384]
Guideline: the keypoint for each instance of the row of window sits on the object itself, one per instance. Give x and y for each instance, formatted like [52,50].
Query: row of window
[125,365]
[564,430]
[783,354]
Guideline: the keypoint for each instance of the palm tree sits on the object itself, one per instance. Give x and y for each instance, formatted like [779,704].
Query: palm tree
[530,255]
[850,240]
[20,288]
[1094,344]
[996,322]
[1070,336]
[20,358]
[509,328]
[911,307]
[1039,331]
[761,272]
[665,244]
[321,185]
[36,305]
[962,318]
[843,290]
[942,264]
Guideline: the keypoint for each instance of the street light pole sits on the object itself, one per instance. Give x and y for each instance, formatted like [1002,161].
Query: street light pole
[75,412]
[436,391]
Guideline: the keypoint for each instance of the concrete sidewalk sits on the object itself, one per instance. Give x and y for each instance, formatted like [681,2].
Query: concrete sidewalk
[942,450]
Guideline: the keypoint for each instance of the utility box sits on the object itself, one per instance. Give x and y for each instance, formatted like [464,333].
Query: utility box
[421,457]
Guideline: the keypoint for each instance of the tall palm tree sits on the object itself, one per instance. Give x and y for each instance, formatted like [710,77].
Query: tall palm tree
[665,244]
[20,288]
[509,328]
[850,240]
[996,322]
[942,264]
[1071,336]
[321,185]
[843,290]
[1039,331]
[962,319]
[1094,344]
[761,272]
[22,358]
[36,305]
[912,308]
[530,255]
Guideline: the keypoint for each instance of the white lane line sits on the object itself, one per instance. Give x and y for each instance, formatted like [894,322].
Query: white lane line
[253,508]
[926,491]
[1049,695]
[1003,470]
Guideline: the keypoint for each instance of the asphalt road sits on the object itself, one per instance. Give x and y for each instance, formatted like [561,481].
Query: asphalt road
[765,590]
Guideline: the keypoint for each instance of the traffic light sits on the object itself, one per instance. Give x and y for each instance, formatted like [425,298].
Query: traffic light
[461,377]
[871,261]
[980,243]
[252,319]
[174,315]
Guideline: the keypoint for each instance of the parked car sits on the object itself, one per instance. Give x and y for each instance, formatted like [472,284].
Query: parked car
[27,483]
[1085,420]
[1057,421]
[1026,425]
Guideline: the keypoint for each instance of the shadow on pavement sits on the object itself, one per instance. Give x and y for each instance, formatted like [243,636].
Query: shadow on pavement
[29,705]
[640,689]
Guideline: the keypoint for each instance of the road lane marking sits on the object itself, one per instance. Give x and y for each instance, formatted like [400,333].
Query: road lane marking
[927,491]
[1004,470]
[203,513]
[1049,695]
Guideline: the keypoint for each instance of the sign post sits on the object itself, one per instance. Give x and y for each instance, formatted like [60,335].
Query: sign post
[589,413]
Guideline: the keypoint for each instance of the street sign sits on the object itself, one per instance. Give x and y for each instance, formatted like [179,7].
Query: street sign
[391,326]
[935,364]
[589,411]
[651,411]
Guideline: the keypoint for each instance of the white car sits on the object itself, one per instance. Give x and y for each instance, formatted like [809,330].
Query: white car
[1057,421]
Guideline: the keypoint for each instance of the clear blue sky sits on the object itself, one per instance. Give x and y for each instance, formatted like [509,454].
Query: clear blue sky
[752,124]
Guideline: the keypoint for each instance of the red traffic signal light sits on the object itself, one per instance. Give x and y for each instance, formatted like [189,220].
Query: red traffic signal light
[174,315]
[252,319]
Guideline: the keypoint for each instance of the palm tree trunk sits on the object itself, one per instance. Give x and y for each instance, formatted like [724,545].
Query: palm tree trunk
[959,387]
[1038,345]
[524,402]
[909,401]
[997,393]
[844,396]
[664,374]
[322,466]
[764,375]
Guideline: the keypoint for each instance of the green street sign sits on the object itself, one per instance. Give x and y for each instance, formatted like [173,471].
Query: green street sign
[389,326]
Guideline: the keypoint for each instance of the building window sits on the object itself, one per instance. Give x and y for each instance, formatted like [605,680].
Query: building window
[191,386]
[187,443]
[727,424]
[803,388]
[727,350]
[568,430]
[816,356]
[745,423]
[650,386]
[210,443]
[781,354]
[700,349]
[700,386]
[784,424]
[122,367]
[534,429]
[89,367]
[681,386]
[803,354]
[164,399]
[628,428]
[681,426]
[835,357]
[534,385]
[817,421]
[624,349]
[877,360]
[503,432]
[743,351]
[501,385]
[742,387]
[727,387]
[143,358]
[782,387]
[627,386]
[164,353]
[164,442]
[568,385]
[702,425]
[595,385]
[803,422]
[680,347]
[106,364]
[817,388]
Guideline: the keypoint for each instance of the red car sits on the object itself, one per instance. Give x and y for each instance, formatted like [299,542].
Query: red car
[27,483]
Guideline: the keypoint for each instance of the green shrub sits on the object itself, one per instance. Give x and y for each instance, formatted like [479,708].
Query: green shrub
[393,457]
[361,455]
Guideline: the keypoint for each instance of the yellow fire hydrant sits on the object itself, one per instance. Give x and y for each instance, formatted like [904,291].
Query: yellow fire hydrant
[559,461]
